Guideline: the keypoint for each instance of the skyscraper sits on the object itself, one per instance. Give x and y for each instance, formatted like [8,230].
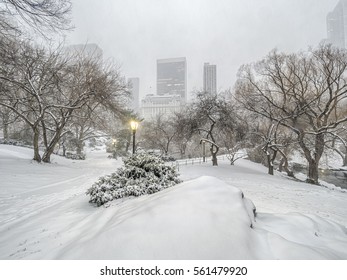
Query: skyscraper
[337,25]
[86,50]
[155,105]
[210,78]
[134,88]
[172,77]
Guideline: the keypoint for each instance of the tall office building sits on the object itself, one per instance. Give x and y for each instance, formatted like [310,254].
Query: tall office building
[210,78]
[134,88]
[337,25]
[155,105]
[172,77]
[86,50]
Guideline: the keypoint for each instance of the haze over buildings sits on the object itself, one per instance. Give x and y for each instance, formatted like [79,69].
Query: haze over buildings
[134,88]
[91,50]
[172,77]
[215,32]
[226,33]
[210,78]
[337,25]
[171,89]
[155,105]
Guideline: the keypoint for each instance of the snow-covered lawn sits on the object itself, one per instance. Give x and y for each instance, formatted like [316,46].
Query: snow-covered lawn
[276,194]
[45,214]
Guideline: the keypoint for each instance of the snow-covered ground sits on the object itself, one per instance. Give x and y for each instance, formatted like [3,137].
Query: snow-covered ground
[45,214]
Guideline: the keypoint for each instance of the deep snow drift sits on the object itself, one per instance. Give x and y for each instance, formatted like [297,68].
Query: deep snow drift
[45,214]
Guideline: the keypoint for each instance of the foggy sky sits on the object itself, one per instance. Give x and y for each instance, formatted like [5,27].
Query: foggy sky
[227,33]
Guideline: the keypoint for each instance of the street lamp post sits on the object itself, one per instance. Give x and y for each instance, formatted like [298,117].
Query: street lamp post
[134,125]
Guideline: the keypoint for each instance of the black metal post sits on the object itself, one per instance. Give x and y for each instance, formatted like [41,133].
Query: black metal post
[134,132]
[203,152]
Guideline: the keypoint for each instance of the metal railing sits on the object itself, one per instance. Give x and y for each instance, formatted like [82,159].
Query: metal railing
[194,161]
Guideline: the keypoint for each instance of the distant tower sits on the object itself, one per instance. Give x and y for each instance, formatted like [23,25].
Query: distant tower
[337,25]
[134,88]
[210,78]
[87,50]
[172,77]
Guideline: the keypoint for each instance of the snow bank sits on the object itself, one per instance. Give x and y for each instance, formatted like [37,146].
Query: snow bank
[298,236]
[204,218]
[45,214]
[201,219]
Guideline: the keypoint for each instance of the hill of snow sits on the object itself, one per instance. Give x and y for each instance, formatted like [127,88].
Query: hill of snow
[45,214]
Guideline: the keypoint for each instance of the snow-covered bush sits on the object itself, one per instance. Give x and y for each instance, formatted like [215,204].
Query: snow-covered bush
[14,142]
[74,156]
[142,174]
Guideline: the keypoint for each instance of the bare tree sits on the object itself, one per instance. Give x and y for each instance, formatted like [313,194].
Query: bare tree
[303,92]
[233,127]
[47,88]
[87,85]
[40,15]
[183,135]
[205,115]
[159,134]
[28,74]
[276,142]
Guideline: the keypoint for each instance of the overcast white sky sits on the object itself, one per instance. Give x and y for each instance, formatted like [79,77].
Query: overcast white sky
[227,33]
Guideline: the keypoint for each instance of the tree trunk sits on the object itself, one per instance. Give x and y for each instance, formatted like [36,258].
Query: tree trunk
[44,134]
[313,161]
[281,165]
[270,166]
[214,159]
[54,141]
[345,158]
[232,162]
[47,154]
[270,160]
[214,155]
[284,165]
[313,164]
[79,147]
[5,122]
[64,150]
[312,176]
[79,142]
[5,131]
[183,148]
[37,156]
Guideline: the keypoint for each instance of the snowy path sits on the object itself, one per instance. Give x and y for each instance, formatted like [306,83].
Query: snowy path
[40,199]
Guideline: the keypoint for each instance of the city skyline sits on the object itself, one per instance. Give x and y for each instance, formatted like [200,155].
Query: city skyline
[228,33]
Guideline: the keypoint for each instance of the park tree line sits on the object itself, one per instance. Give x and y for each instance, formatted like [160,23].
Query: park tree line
[48,95]
[55,95]
[281,104]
